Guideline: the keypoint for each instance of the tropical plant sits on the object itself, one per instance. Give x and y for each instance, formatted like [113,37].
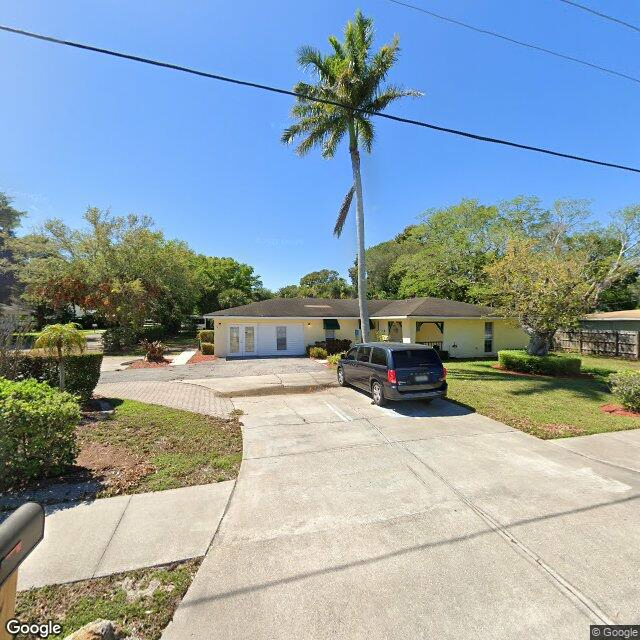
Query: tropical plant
[154,350]
[348,90]
[60,340]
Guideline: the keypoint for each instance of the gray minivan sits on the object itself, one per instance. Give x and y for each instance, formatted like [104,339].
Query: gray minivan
[394,371]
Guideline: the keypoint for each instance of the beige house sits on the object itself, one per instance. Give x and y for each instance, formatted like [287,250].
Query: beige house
[285,326]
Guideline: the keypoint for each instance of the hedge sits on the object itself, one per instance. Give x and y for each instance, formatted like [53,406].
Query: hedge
[82,371]
[550,365]
[318,352]
[37,439]
[207,348]
[331,346]
[206,335]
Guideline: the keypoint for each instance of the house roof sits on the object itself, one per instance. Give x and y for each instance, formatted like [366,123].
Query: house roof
[629,314]
[348,308]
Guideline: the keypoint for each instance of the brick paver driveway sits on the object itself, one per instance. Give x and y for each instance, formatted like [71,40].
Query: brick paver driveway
[175,395]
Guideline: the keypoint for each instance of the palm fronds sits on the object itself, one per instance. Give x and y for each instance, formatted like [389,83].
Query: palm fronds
[344,212]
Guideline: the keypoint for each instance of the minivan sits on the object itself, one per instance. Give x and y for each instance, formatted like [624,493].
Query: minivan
[394,371]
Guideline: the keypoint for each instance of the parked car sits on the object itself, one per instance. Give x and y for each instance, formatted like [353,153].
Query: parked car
[394,371]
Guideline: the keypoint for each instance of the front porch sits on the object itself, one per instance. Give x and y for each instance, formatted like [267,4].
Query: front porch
[426,332]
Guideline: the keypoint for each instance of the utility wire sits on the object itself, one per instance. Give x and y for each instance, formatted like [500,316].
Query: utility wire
[286,92]
[602,15]
[520,43]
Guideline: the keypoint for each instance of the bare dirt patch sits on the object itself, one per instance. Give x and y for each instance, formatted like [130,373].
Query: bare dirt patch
[619,410]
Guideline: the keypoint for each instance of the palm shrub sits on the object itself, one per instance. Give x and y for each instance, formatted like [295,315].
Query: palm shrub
[59,341]
[625,385]
[154,350]
[37,438]
[350,84]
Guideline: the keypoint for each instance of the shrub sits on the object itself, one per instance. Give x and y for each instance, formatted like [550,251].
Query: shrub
[206,335]
[626,385]
[551,365]
[336,345]
[82,371]
[154,350]
[37,439]
[207,348]
[318,352]
[118,339]
[334,358]
[151,332]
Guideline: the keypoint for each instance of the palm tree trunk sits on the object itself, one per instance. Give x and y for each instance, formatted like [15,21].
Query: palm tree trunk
[61,374]
[363,302]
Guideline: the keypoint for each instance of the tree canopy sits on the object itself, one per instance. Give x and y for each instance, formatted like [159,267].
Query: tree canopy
[10,219]
[325,283]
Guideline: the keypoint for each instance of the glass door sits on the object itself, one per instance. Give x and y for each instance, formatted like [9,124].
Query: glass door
[234,339]
[249,339]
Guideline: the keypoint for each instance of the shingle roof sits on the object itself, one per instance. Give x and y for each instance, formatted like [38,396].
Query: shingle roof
[627,314]
[348,308]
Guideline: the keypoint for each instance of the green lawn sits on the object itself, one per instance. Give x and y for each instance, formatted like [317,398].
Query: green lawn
[159,448]
[141,602]
[543,406]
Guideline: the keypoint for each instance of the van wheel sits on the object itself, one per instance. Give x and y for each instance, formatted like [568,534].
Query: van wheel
[341,380]
[378,394]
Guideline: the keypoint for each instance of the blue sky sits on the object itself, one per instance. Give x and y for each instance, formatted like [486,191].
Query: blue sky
[204,158]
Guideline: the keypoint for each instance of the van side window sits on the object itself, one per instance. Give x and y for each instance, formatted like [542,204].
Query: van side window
[351,354]
[379,356]
[363,354]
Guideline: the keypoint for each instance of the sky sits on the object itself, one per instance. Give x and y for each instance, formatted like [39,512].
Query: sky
[204,158]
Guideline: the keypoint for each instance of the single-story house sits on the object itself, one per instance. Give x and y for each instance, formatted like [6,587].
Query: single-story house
[628,320]
[285,326]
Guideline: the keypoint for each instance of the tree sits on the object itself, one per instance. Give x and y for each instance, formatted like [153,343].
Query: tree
[290,291]
[549,282]
[60,340]
[118,266]
[352,77]
[10,219]
[380,258]
[325,283]
[232,298]
[217,275]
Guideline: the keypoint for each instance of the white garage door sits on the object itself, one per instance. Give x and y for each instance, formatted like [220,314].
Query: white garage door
[286,339]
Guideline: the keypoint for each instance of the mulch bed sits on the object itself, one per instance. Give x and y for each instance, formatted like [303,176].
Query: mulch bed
[618,410]
[199,357]
[582,376]
[145,364]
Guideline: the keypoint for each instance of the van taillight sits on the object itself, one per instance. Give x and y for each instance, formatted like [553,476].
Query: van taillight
[444,376]
[391,376]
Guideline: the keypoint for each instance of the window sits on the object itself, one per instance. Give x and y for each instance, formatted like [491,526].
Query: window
[281,338]
[410,358]
[488,337]
[329,334]
[351,354]
[363,354]
[379,356]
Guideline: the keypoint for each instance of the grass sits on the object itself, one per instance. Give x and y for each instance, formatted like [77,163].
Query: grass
[183,448]
[141,602]
[543,406]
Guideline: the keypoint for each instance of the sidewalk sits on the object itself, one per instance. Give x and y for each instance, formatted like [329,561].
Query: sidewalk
[107,536]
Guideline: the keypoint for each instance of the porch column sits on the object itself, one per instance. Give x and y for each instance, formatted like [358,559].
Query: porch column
[408,330]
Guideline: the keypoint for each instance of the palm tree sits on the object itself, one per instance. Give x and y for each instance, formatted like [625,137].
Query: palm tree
[354,78]
[59,340]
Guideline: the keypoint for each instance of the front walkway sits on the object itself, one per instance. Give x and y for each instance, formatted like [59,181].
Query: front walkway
[126,532]
[354,521]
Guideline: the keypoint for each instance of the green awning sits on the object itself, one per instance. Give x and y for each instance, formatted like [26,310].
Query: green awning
[330,323]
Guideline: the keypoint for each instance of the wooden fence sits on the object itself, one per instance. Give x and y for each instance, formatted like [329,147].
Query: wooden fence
[622,344]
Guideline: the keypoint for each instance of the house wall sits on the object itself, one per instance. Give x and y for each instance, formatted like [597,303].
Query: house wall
[467,335]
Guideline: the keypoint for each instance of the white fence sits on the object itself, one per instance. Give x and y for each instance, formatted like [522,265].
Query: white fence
[622,344]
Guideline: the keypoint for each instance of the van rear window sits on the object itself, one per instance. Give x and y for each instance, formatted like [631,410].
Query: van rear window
[408,358]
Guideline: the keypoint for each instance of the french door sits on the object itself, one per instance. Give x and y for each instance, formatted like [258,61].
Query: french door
[243,339]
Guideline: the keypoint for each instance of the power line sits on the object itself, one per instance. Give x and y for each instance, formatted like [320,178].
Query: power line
[602,15]
[520,43]
[265,87]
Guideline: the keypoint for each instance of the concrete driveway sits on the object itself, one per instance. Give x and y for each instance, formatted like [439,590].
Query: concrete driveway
[354,521]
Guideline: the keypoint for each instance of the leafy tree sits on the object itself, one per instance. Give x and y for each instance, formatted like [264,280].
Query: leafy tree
[550,282]
[325,283]
[353,77]
[117,266]
[10,219]
[217,275]
[290,291]
[233,298]
[380,258]
[60,340]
